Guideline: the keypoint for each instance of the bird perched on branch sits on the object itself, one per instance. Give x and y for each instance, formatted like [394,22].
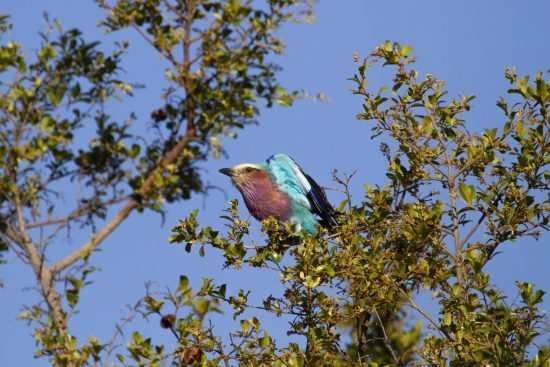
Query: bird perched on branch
[279,187]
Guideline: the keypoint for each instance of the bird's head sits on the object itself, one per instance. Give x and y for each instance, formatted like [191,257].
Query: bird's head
[243,174]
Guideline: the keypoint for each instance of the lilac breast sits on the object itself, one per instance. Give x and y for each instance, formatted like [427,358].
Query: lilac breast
[263,199]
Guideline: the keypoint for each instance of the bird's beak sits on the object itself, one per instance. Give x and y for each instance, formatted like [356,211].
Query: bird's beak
[227,171]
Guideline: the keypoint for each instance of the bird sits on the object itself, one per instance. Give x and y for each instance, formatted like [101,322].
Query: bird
[279,187]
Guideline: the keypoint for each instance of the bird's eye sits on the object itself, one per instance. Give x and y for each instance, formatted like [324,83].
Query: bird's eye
[249,169]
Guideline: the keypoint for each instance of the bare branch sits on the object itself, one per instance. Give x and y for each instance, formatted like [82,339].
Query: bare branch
[473,230]
[413,304]
[77,213]
[43,274]
[118,333]
[386,339]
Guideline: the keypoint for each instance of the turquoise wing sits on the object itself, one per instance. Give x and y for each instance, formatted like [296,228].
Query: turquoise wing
[300,187]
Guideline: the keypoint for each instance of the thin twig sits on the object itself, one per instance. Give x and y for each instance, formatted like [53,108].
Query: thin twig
[423,313]
[386,339]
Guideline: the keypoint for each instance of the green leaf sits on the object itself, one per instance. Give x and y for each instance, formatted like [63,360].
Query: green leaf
[234,6]
[222,290]
[467,192]
[254,322]
[47,123]
[201,306]
[275,257]
[520,129]
[284,100]
[183,284]
[447,319]
[386,46]
[406,51]
[134,151]
[50,211]
[121,359]
[522,84]
[158,180]
[264,341]
[56,95]
[342,205]
[244,326]
[72,297]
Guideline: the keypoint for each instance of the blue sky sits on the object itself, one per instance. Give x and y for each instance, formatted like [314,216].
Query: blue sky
[466,43]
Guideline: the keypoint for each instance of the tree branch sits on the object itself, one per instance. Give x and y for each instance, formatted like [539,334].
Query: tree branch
[413,304]
[90,246]
[190,135]
[386,339]
[473,230]
[452,194]
[78,212]
[43,274]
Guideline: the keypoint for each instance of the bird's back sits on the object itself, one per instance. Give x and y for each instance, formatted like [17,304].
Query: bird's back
[307,197]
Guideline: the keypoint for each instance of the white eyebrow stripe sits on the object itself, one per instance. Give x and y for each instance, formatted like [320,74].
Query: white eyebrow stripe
[242,166]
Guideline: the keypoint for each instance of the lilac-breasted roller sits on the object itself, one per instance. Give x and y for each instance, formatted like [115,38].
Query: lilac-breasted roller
[279,187]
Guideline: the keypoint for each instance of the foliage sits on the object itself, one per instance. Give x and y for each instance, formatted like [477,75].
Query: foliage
[453,198]
[56,133]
